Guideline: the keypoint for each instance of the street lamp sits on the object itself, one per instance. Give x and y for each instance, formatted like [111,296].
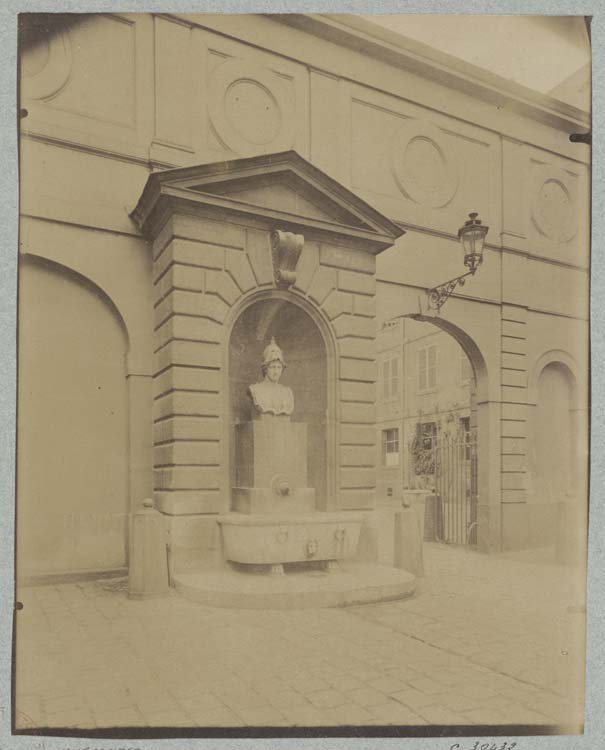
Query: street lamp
[472,237]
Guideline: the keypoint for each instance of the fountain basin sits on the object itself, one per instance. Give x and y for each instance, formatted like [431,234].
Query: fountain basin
[270,539]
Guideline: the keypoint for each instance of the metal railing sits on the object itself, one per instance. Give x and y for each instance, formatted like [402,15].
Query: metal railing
[447,463]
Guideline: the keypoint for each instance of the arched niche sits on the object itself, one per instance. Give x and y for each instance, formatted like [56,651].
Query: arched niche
[553,439]
[308,364]
[557,457]
[558,462]
[558,393]
[565,362]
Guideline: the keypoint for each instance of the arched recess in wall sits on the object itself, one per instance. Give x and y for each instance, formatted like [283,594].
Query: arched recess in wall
[556,356]
[309,351]
[558,456]
[72,449]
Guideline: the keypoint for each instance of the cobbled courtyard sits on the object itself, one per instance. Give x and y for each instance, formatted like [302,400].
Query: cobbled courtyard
[487,640]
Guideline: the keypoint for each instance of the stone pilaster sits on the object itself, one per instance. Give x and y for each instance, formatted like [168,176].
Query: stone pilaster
[192,295]
[350,305]
[514,422]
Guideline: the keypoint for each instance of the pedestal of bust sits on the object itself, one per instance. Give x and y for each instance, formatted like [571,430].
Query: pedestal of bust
[271,461]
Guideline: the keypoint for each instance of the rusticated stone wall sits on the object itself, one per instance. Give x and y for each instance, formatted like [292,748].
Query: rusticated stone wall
[203,270]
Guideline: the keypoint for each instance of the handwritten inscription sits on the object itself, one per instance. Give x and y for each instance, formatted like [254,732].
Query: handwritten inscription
[485,746]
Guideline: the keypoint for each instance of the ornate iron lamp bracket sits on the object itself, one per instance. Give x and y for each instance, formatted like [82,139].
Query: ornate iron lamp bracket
[471,236]
[439,294]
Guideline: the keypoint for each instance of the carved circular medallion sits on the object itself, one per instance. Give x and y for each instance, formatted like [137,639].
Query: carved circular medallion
[251,108]
[252,111]
[553,212]
[45,67]
[421,165]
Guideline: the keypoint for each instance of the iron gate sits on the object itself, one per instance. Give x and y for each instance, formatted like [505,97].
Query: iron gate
[456,487]
[448,462]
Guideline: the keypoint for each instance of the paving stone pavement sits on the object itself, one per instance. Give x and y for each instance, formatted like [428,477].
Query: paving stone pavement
[486,640]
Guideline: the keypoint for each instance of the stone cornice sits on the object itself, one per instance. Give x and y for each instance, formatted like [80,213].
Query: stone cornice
[359,34]
[207,189]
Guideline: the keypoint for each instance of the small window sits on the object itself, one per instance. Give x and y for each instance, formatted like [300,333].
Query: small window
[427,368]
[390,447]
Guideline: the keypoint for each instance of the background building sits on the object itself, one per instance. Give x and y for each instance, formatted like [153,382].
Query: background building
[424,391]
[398,115]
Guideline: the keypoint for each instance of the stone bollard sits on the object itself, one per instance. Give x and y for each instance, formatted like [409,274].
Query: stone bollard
[148,570]
[416,500]
[408,542]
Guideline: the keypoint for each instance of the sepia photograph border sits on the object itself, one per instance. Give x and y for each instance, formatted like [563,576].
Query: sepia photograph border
[365,737]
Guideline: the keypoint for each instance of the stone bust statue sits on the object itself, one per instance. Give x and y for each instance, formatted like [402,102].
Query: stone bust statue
[268,396]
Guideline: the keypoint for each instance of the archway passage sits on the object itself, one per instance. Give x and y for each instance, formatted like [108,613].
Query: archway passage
[428,423]
[306,374]
[72,450]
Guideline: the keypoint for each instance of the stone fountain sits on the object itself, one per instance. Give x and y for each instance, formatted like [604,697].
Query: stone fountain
[264,505]
[275,522]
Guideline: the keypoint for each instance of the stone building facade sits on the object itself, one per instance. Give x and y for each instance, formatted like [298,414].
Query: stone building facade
[131,284]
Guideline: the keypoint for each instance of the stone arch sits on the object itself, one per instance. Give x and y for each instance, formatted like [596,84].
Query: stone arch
[470,348]
[488,448]
[73,432]
[324,329]
[91,272]
[91,284]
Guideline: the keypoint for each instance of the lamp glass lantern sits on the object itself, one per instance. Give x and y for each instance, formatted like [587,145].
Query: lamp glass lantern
[472,238]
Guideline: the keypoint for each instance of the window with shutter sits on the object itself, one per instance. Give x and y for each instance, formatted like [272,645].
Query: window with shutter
[385,380]
[390,379]
[432,366]
[427,368]
[422,380]
[394,377]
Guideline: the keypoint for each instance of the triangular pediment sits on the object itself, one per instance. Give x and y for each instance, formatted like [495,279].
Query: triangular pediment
[284,187]
[291,195]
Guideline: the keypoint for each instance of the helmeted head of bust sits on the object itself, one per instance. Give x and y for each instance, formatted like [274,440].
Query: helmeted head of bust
[269,396]
[273,362]
[273,371]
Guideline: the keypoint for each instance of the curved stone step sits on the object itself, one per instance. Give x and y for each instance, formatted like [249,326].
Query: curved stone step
[352,583]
